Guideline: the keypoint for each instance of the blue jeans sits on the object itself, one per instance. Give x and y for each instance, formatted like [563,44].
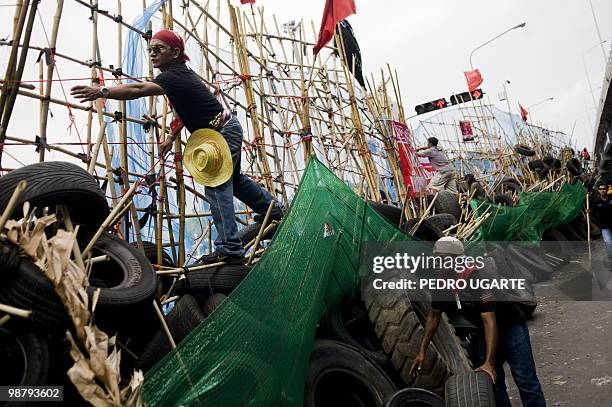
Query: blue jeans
[514,347]
[221,198]
[606,235]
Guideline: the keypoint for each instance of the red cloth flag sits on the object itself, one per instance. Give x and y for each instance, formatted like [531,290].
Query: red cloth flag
[473,79]
[334,11]
[415,172]
[466,130]
[247,1]
[524,113]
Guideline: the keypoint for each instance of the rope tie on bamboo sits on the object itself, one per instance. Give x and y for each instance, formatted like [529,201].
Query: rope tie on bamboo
[149,122]
[94,9]
[84,157]
[71,118]
[118,72]
[306,135]
[178,157]
[38,142]
[49,54]
[256,143]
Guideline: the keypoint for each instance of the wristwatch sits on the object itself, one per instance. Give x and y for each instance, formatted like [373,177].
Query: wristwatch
[105,92]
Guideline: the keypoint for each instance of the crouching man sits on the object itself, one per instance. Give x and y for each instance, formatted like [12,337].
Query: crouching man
[503,334]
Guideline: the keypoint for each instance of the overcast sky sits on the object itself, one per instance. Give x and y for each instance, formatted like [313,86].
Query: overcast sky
[428,42]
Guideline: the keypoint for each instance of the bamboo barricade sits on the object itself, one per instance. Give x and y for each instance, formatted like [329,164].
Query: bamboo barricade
[286,101]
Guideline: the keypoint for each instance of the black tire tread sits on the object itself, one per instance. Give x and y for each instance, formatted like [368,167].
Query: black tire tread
[55,181]
[442,221]
[400,330]
[222,279]
[473,389]
[447,202]
[212,303]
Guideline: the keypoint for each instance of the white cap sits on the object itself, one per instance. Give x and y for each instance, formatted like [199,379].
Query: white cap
[448,245]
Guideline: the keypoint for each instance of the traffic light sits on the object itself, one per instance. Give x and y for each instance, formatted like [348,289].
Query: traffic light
[431,106]
[466,97]
[454,100]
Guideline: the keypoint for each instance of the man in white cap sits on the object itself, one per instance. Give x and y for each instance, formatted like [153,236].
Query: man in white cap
[197,108]
[506,337]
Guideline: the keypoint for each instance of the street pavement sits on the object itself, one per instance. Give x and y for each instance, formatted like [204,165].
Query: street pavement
[572,340]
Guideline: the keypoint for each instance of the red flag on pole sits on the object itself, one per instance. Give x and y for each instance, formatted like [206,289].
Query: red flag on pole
[247,1]
[524,113]
[416,174]
[466,130]
[473,79]
[334,11]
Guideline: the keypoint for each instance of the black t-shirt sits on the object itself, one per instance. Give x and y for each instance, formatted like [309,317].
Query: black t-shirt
[602,211]
[196,105]
[475,302]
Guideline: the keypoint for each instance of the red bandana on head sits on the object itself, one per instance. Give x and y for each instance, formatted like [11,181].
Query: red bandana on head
[172,39]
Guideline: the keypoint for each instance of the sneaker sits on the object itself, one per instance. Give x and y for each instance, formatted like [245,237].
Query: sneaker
[217,257]
[277,214]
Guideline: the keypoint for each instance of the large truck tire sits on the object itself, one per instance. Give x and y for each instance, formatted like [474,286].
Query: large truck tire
[398,323]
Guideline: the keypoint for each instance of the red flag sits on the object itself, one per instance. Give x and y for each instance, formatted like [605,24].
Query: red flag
[473,79]
[466,130]
[415,172]
[524,113]
[334,11]
[247,1]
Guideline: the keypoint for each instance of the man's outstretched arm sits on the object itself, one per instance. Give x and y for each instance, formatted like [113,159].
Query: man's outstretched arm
[126,91]
[431,326]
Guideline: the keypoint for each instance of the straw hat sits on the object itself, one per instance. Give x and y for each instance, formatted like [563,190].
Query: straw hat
[208,158]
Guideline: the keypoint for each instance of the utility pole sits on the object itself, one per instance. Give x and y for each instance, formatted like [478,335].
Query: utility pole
[601,41]
[509,109]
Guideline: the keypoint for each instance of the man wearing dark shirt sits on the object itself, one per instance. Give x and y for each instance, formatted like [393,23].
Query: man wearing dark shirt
[197,108]
[503,333]
[601,208]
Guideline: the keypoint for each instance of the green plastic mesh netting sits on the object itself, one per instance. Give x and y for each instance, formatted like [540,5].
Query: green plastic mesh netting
[254,349]
[536,212]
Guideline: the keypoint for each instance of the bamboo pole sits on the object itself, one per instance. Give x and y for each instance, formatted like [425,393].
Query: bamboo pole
[162,191]
[45,102]
[261,231]
[9,94]
[16,16]
[18,312]
[248,88]
[180,198]
[21,13]
[10,206]
[164,325]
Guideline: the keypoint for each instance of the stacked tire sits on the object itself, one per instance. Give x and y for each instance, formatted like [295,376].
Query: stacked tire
[124,284]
